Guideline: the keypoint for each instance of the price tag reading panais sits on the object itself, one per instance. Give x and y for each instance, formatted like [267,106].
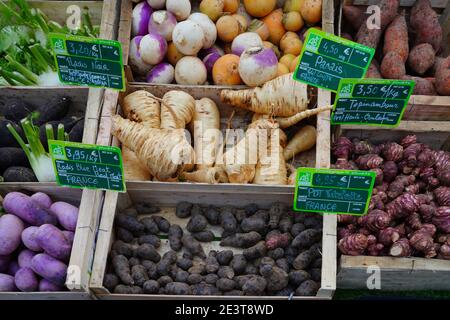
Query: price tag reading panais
[326,59]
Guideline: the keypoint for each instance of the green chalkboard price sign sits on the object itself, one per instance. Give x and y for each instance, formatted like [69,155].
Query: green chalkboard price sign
[373,102]
[326,59]
[88,61]
[87,166]
[333,191]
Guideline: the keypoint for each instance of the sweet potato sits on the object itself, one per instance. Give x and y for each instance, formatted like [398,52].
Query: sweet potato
[11,228]
[392,66]
[421,58]
[396,38]
[425,23]
[355,16]
[422,86]
[373,71]
[443,77]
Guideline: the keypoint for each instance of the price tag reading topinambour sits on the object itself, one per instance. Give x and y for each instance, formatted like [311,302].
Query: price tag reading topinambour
[333,191]
[87,166]
[373,102]
[326,59]
[88,61]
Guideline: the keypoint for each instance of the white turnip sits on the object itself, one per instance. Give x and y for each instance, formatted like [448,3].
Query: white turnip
[190,70]
[162,22]
[208,27]
[180,8]
[153,48]
[140,18]
[188,37]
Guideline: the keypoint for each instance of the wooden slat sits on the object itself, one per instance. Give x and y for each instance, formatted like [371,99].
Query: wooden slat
[396,273]
[124,35]
[444,20]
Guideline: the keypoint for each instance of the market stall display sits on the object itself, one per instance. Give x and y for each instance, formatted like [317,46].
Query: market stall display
[228,246]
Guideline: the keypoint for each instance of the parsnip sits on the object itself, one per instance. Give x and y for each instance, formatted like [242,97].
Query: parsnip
[240,161]
[271,167]
[142,106]
[177,109]
[286,122]
[165,153]
[206,125]
[133,168]
[282,96]
[292,173]
[206,175]
[303,140]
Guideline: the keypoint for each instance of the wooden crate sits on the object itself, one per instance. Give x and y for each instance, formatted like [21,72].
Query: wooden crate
[397,273]
[420,107]
[78,271]
[167,197]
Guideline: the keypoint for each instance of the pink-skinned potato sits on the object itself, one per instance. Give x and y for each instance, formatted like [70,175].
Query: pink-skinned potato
[29,239]
[67,215]
[54,242]
[422,86]
[49,268]
[7,283]
[392,66]
[26,280]
[47,286]
[11,228]
[30,211]
[42,199]
[24,258]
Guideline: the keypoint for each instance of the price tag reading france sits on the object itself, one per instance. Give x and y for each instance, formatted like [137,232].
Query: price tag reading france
[87,166]
[326,59]
[374,102]
[88,61]
[333,191]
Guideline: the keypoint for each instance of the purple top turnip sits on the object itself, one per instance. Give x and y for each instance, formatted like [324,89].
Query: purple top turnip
[161,73]
[153,48]
[245,41]
[162,22]
[140,18]
[137,64]
[258,65]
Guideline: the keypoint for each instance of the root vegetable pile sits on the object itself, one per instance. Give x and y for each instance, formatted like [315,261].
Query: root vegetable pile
[265,252]
[219,42]
[410,45]
[409,212]
[156,146]
[36,237]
